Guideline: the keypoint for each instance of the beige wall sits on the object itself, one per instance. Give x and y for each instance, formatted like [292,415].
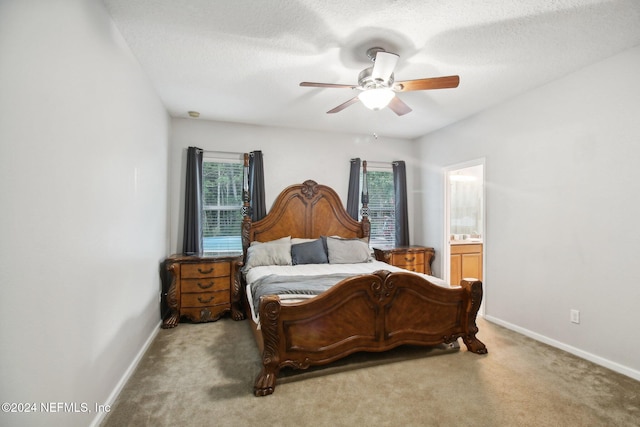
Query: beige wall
[561,208]
[290,156]
[83,187]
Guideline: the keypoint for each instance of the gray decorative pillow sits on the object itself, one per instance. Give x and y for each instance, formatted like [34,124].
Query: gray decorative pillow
[275,252]
[312,252]
[347,251]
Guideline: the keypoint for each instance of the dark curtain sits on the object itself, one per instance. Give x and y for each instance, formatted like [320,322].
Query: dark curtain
[400,194]
[256,186]
[192,237]
[353,205]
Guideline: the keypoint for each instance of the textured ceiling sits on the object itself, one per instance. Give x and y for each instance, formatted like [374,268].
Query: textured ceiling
[242,60]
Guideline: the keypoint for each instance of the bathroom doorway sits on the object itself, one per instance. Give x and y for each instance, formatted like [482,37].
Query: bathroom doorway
[465,233]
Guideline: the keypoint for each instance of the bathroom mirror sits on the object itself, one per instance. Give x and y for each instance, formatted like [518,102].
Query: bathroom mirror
[466,203]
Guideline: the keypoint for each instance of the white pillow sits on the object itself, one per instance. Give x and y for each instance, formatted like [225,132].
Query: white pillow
[347,251]
[275,252]
[272,242]
[298,240]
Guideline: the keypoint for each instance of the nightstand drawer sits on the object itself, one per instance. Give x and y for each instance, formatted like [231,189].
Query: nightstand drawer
[205,269]
[204,314]
[205,299]
[407,258]
[413,267]
[205,284]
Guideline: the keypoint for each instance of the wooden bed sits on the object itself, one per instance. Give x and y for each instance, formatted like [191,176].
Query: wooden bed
[368,313]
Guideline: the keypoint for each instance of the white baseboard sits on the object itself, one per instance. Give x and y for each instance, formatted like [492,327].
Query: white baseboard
[621,369]
[125,377]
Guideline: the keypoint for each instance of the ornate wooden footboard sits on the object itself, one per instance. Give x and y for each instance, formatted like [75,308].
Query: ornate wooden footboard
[373,313]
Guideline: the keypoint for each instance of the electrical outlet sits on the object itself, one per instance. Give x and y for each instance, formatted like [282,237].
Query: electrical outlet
[575,316]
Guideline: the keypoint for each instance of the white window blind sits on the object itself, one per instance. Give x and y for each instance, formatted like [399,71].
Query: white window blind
[381,206]
[222,205]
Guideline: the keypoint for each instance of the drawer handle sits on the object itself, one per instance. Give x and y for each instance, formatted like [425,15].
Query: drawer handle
[205,301]
[205,271]
[409,259]
[207,286]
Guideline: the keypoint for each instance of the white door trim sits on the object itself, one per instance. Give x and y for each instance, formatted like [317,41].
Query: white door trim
[446,249]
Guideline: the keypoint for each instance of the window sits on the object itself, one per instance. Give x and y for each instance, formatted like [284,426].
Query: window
[382,212]
[222,204]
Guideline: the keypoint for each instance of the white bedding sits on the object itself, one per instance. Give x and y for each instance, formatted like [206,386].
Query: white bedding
[319,269]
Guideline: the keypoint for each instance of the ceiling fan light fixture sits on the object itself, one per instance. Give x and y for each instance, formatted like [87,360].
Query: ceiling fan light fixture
[378,87]
[376,99]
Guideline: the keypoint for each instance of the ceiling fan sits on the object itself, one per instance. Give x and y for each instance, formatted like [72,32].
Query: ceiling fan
[378,88]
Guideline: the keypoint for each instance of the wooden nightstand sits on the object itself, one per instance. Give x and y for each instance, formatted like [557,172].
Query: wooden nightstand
[414,258]
[202,288]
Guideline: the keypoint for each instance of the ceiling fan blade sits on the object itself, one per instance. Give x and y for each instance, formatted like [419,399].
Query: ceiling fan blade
[311,84]
[399,107]
[384,65]
[424,84]
[344,105]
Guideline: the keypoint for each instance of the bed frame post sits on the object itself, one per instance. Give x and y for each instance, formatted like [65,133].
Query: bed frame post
[366,225]
[265,382]
[246,207]
[474,289]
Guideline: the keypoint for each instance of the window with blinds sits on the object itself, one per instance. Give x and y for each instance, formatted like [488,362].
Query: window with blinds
[382,213]
[222,205]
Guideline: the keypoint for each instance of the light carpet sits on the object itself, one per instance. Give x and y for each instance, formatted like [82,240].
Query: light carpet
[202,375]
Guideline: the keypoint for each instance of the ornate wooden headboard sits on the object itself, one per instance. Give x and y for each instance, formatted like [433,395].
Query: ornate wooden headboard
[307,210]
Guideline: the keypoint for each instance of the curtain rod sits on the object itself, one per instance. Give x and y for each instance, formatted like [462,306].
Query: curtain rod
[222,152]
[378,164]
[227,152]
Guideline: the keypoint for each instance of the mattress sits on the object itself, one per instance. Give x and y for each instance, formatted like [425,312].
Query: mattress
[256,274]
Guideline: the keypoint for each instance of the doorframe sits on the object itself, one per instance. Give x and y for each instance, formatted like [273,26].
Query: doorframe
[446,247]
